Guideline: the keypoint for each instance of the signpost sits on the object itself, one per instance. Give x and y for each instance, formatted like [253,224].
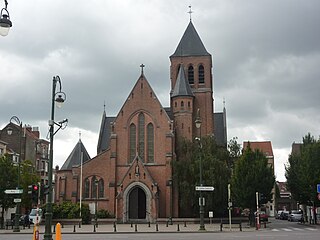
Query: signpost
[16,200]
[318,188]
[13,191]
[204,188]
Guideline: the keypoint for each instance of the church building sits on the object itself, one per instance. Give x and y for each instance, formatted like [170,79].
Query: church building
[131,175]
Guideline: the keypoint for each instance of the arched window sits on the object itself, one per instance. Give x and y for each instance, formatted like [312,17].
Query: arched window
[201,74]
[141,120]
[182,104]
[86,188]
[101,188]
[132,142]
[150,141]
[94,187]
[190,75]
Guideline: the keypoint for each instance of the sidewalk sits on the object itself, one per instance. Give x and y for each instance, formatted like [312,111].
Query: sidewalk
[135,228]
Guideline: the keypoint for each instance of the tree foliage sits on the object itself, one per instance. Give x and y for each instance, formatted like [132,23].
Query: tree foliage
[215,172]
[252,174]
[303,171]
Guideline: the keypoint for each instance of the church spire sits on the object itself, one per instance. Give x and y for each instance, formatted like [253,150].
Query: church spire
[182,87]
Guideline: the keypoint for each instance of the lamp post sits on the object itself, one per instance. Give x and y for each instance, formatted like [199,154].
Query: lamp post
[201,199]
[96,182]
[5,23]
[18,207]
[58,97]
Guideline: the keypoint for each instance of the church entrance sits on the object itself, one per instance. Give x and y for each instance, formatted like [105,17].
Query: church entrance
[137,203]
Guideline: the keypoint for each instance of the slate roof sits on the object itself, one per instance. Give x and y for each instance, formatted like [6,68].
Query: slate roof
[190,44]
[74,158]
[182,87]
[220,128]
[105,132]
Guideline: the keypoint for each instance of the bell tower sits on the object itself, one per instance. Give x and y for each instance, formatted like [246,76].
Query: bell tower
[197,62]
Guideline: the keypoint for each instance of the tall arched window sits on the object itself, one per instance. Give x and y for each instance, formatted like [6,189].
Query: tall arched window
[141,135]
[86,188]
[201,74]
[190,75]
[93,187]
[101,188]
[132,142]
[150,141]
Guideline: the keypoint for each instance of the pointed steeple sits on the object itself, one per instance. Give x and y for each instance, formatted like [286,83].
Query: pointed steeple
[182,87]
[190,44]
[74,158]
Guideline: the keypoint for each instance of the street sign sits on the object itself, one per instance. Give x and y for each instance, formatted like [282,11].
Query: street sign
[203,188]
[13,191]
[16,200]
[318,188]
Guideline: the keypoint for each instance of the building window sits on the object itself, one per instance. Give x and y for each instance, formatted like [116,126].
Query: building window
[86,188]
[201,74]
[101,188]
[141,135]
[150,140]
[93,187]
[132,142]
[190,75]
[182,104]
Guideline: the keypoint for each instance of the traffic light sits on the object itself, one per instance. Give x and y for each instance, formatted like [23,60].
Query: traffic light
[35,193]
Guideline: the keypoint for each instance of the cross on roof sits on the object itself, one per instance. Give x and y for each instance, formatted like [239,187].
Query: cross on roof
[142,66]
[190,12]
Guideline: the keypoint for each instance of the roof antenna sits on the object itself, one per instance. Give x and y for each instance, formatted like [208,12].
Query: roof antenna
[79,135]
[104,105]
[190,12]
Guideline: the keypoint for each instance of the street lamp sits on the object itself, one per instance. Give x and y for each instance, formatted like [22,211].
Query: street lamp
[5,23]
[96,182]
[18,207]
[58,97]
[201,199]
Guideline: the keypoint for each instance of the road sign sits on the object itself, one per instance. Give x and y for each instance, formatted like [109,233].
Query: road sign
[16,200]
[318,188]
[13,191]
[203,188]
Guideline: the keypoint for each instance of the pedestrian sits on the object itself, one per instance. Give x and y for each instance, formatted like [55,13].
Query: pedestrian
[26,220]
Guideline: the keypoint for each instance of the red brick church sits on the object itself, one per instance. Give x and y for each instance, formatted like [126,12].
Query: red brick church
[131,176]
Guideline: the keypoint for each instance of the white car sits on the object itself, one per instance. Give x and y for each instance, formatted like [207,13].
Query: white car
[34,214]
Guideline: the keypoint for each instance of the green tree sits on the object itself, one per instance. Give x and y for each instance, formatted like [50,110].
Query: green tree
[251,174]
[303,171]
[215,172]
[8,180]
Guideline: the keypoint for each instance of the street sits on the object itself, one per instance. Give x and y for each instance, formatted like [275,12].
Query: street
[276,229]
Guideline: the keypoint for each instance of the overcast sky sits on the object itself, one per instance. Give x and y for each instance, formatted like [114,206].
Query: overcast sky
[266,57]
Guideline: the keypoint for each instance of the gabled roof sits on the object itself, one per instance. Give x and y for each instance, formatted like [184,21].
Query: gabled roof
[182,87]
[74,158]
[190,44]
[264,147]
[105,132]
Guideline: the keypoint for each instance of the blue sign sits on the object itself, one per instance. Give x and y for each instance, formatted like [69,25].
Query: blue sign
[318,188]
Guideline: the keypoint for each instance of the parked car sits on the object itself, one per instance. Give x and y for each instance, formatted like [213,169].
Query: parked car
[284,215]
[33,216]
[295,215]
[263,216]
[278,213]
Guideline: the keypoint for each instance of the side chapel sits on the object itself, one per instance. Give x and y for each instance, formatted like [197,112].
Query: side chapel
[131,175]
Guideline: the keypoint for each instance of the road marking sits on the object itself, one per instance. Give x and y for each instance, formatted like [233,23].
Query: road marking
[312,229]
[298,229]
[287,229]
[275,230]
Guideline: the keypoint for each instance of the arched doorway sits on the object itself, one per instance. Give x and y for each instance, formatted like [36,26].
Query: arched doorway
[137,203]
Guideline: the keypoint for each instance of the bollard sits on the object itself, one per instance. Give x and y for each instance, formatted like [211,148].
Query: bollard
[221,227]
[114,226]
[97,223]
[178,228]
[58,233]
[149,224]
[62,225]
[135,228]
[74,228]
[94,228]
[265,225]
[240,226]
[54,228]
[167,223]
[157,228]
[80,224]
[131,224]
[185,224]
